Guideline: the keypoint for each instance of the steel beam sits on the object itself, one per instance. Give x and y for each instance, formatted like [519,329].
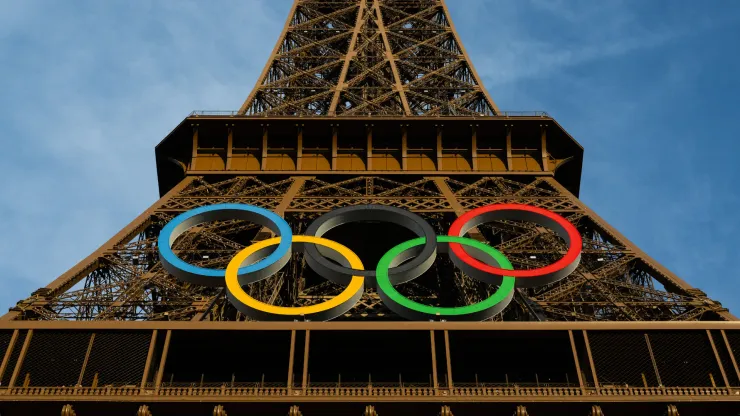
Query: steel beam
[577,361]
[163,361]
[8,353]
[21,357]
[149,358]
[729,352]
[716,357]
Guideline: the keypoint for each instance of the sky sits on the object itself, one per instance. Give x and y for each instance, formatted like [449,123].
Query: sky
[649,88]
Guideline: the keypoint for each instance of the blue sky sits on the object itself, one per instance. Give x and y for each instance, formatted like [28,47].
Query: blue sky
[649,88]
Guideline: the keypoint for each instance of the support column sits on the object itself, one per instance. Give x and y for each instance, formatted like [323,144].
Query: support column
[194,156]
[404,147]
[163,361]
[450,385]
[304,385]
[148,365]
[369,162]
[509,155]
[229,145]
[291,362]
[435,383]
[265,135]
[299,148]
[334,145]
[440,153]
[474,147]
[543,137]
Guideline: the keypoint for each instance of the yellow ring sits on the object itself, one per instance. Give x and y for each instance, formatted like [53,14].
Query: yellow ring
[347,298]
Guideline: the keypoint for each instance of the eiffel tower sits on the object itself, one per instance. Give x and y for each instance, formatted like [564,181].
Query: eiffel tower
[368,102]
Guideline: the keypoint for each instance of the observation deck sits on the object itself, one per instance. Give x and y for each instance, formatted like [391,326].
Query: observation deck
[217,143]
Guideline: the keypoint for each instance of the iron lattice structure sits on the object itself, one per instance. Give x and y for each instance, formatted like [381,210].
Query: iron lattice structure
[615,282]
[369,102]
[369,57]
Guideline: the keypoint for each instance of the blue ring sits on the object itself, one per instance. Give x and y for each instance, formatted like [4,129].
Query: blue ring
[254,272]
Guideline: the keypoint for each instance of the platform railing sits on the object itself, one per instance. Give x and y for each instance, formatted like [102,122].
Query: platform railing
[482,393]
[233,113]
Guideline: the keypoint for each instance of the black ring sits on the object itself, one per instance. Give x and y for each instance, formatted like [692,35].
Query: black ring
[422,261]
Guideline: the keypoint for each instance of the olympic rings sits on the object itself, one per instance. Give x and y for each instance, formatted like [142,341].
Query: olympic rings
[422,259]
[341,265]
[323,311]
[214,277]
[413,310]
[525,278]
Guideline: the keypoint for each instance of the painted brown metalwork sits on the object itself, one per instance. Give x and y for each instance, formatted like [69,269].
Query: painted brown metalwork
[488,388]
[616,281]
[369,102]
[369,57]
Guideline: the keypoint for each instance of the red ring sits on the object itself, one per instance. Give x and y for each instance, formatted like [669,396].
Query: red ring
[574,249]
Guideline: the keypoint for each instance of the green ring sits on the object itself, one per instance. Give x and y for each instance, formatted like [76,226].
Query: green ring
[388,293]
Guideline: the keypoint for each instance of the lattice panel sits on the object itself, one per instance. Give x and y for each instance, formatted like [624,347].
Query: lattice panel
[612,283]
[372,57]
[621,358]
[54,358]
[725,359]
[733,338]
[5,337]
[13,358]
[117,359]
[685,358]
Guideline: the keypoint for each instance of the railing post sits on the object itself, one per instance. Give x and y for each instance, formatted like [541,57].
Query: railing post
[474,147]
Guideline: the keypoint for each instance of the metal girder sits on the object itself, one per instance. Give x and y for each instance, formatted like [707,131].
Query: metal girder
[126,282]
[377,57]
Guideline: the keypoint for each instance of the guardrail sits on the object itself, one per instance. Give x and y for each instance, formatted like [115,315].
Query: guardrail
[198,113]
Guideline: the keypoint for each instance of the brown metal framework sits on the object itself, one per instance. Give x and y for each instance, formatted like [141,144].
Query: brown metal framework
[124,280]
[424,368]
[369,57]
[369,101]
